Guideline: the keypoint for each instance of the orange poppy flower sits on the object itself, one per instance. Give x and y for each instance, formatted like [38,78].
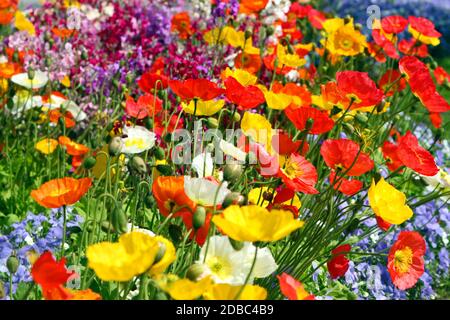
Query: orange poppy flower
[151,80]
[300,116]
[73,148]
[293,289]
[64,33]
[8,69]
[394,24]
[245,97]
[405,259]
[302,97]
[61,192]
[359,86]
[195,88]
[252,6]
[298,174]
[343,154]
[147,105]
[181,22]
[248,62]
[170,196]
[55,115]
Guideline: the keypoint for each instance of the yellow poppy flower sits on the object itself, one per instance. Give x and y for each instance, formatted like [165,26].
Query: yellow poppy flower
[389,203]
[331,25]
[287,59]
[46,146]
[183,289]
[133,255]
[245,78]
[255,196]
[424,39]
[204,108]
[228,292]
[236,39]
[66,81]
[277,101]
[101,161]
[23,24]
[169,256]
[346,41]
[217,35]
[253,223]
[257,127]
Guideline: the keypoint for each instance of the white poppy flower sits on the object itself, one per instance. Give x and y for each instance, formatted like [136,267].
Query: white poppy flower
[40,79]
[24,101]
[230,150]
[56,102]
[138,140]
[203,164]
[226,265]
[203,191]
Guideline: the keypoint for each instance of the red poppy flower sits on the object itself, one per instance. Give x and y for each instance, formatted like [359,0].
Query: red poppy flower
[201,234]
[269,62]
[316,18]
[338,264]
[299,174]
[394,24]
[170,196]
[441,75]
[51,275]
[167,123]
[343,154]
[283,145]
[147,105]
[296,10]
[290,29]
[410,47]
[150,81]
[300,116]
[376,52]
[383,42]
[383,225]
[181,22]
[389,150]
[405,259]
[415,157]
[195,88]
[392,82]
[424,26]
[346,186]
[293,289]
[245,97]
[358,85]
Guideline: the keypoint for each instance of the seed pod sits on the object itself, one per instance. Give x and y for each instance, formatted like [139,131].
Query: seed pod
[237,245]
[12,264]
[198,220]
[119,220]
[232,172]
[195,272]
[89,162]
[137,164]
[115,146]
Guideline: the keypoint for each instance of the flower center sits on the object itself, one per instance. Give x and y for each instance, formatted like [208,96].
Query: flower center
[219,267]
[346,43]
[403,260]
[292,169]
[136,142]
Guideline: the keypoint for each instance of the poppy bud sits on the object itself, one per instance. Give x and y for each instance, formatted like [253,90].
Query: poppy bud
[159,154]
[236,117]
[212,123]
[160,296]
[167,138]
[232,172]
[377,177]
[248,34]
[198,220]
[115,146]
[15,57]
[175,233]
[270,30]
[196,272]
[164,169]
[89,162]
[137,164]
[107,226]
[119,220]
[309,124]
[12,264]
[31,73]
[380,107]
[237,245]
[268,196]
[233,198]
[84,55]
[161,252]
[335,110]
[148,122]
[361,118]
[262,33]
[348,128]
